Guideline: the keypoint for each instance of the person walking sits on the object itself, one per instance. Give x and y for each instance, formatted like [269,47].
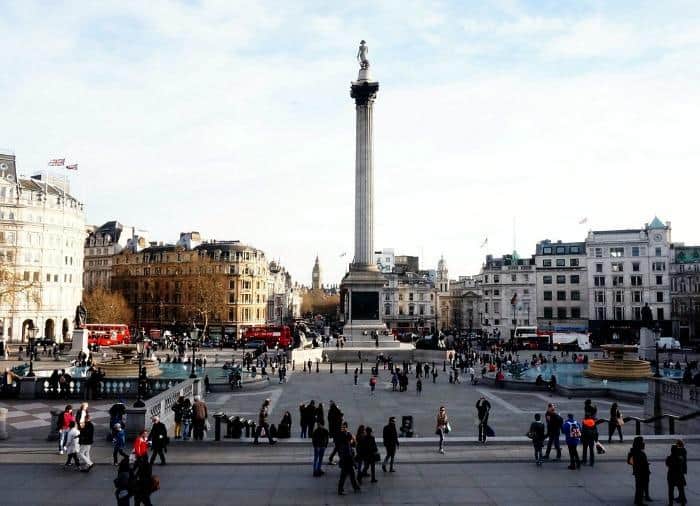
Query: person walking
[589,435]
[199,417]
[572,431]
[356,375]
[159,440]
[141,446]
[177,412]
[637,458]
[344,442]
[303,424]
[391,443]
[615,423]
[319,416]
[442,427]
[357,441]
[72,445]
[483,408]
[86,439]
[186,420]
[64,420]
[419,386]
[319,440]
[262,423]
[121,483]
[554,423]
[675,476]
[335,420]
[144,483]
[310,416]
[369,455]
[536,434]
[372,384]
[118,442]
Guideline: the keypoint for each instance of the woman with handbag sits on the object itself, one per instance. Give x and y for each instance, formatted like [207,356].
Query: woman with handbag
[616,422]
[368,454]
[442,428]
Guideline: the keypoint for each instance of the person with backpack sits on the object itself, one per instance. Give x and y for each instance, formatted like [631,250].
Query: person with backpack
[536,434]
[637,458]
[554,423]
[118,442]
[572,430]
[589,435]
[64,420]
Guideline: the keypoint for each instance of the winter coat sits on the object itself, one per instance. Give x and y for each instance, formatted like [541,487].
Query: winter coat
[319,438]
[537,430]
[390,437]
[87,434]
[73,441]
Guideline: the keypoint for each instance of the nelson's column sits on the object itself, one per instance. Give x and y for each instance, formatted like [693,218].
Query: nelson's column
[361,287]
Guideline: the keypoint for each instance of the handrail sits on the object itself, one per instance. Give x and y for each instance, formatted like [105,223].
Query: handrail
[672,419]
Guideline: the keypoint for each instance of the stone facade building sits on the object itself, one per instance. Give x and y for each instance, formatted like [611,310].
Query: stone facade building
[685,294]
[408,302]
[165,285]
[628,269]
[42,231]
[508,285]
[562,293]
[283,298]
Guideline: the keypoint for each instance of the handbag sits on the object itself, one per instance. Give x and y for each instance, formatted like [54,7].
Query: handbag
[448,428]
[376,457]
[620,421]
[530,435]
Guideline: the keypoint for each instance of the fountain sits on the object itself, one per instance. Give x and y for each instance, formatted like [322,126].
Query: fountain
[619,367]
[126,363]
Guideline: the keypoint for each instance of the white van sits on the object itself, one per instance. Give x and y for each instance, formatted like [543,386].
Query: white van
[563,340]
[668,343]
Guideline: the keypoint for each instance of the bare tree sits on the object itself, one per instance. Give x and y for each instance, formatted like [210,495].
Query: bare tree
[13,287]
[206,293]
[105,306]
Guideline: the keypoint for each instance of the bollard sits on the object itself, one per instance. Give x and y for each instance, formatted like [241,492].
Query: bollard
[53,430]
[253,428]
[444,366]
[317,366]
[637,427]
[671,425]
[3,423]
[292,365]
[246,424]
[331,363]
[361,363]
[237,428]
[217,426]
[304,365]
[346,367]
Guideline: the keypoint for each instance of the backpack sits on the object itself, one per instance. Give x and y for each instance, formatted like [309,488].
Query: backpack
[574,431]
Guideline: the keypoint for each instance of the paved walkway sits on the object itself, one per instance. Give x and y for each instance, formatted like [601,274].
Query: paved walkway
[434,484]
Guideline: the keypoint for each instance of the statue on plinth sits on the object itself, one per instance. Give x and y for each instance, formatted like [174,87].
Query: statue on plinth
[647,317]
[80,316]
[362,55]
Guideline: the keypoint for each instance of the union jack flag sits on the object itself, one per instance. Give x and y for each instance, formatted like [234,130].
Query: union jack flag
[57,162]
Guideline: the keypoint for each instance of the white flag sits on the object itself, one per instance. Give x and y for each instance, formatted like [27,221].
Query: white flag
[583,221]
[486,241]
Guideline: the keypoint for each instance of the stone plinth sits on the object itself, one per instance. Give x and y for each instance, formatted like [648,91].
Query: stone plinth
[362,299]
[80,341]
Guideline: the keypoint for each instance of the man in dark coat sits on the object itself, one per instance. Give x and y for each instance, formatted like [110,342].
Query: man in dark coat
[344,441]
[391,443]
[553,422]
[335,420]
[483,407]
[159,440]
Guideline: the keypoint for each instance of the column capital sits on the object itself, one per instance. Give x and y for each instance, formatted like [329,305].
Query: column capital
[364,91]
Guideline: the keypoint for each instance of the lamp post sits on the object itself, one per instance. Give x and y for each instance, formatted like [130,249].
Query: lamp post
[140,349]
[31,334]
[193,374]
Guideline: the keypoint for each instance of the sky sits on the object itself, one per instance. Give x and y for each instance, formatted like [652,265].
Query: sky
[507,119]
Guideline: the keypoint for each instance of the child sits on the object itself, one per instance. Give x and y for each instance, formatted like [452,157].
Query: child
[72,445]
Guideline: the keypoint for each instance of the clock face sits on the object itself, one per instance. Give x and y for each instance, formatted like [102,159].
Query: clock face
[657,237]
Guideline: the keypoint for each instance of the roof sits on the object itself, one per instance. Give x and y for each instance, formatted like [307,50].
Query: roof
[656,224]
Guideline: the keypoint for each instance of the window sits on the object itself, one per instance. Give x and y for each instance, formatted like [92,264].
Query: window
[635,251]
[617,267]
[387,309]
[546,263]
[599,280]
[619,297]
[561,262]
[599,267]
[496,293]
[421,309]
[410,296]
[599,252]
[411,310]
[561,279]
[659,296]
[574,279]
[658,266]
[600,313]
[659,280]
[547,295]
[599,296]
[497,306]
[561,313]
[575,295]
[573,262]
[561,295]
[659,313]
[637,313]
[575,249]
[619,313]
[548,312]
[496,278]
[657,252]
[513,277]
[618,280]
[635,266]
[617,252]
[547,250]
[636,296]
[636,280]
[576,312]
[560,250]
[547,280]
[487,292]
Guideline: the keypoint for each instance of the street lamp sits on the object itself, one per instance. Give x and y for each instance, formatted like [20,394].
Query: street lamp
[193,374]
[140,349]
[31,334]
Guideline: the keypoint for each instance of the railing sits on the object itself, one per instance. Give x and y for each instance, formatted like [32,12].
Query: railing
[672,419]
[674,391]
[77,388]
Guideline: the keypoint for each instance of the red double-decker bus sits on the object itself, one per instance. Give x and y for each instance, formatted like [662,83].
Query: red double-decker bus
[108,334]
[273,335]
